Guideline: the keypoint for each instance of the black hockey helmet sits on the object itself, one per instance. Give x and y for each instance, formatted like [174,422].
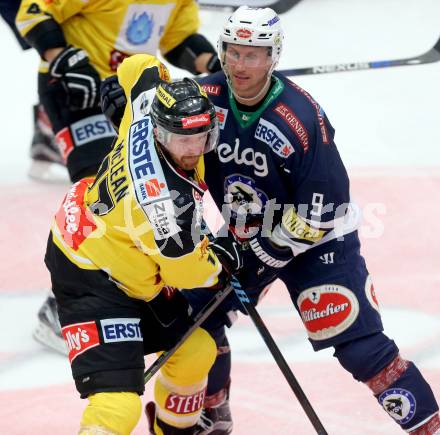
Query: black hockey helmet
[182,107]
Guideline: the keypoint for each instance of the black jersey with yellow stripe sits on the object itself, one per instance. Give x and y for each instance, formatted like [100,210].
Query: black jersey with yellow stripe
[139,220]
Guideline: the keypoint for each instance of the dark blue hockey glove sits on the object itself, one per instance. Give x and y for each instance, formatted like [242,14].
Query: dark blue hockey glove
[79,78]
[262,262]
[113,100]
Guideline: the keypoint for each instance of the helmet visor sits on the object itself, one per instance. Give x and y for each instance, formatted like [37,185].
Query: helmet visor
[188,144]
[248,57]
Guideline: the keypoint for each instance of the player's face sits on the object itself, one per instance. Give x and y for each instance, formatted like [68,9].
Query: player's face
[185,150]
[247,68]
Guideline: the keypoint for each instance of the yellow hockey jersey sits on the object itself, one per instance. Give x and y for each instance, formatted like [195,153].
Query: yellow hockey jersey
[110,30]
[139,220]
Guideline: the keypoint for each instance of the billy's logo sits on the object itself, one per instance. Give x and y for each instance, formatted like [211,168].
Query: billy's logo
[75,221]
[80,337]
[185,404]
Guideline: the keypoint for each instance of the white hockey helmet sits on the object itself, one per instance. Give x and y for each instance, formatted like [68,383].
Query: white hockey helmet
[257,27]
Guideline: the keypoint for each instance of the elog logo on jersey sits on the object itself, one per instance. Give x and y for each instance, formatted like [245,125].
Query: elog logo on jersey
[120,329]
[244,156]
[272,136]
[80,337]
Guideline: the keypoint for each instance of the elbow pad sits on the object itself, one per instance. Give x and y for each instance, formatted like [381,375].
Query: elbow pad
[184,55]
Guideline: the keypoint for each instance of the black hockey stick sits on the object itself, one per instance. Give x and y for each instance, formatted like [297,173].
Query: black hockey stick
[433,55]
[278,357]
[217,299]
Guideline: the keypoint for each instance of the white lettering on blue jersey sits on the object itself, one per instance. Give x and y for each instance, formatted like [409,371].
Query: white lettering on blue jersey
[245,156]
[272,136]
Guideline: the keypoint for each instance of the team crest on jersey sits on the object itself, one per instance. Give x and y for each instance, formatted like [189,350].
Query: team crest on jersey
[371,294]
[327,310]
[242,196]
[272,136]
[399,403]
[222,114]
[139,28]
[145,168]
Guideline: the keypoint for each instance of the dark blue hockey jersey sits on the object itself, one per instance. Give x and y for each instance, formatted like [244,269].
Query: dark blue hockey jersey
[279,166]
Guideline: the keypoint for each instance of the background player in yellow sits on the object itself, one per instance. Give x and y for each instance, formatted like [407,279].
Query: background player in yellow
[119,244]
[80,43]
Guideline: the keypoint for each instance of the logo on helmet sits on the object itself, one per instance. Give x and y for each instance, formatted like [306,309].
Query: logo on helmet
[244,33]
[164,97]
[273,20]
[196,121]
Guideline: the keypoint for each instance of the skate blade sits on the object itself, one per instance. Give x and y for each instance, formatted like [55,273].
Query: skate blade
[45,336]
[48,172]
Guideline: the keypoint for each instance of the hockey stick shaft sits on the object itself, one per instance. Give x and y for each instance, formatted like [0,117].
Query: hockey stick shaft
[433,55]
[279,358]
[218,297]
